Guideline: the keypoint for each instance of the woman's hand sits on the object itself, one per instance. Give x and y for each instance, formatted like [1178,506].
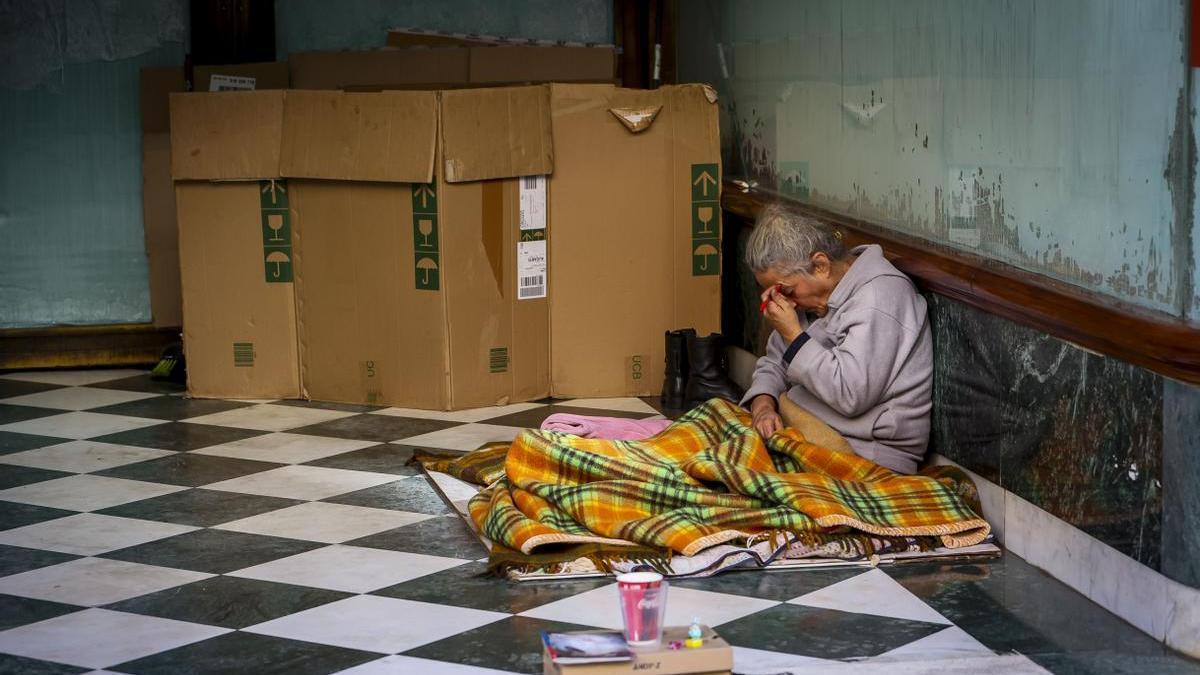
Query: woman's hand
[766,417]
[780,313]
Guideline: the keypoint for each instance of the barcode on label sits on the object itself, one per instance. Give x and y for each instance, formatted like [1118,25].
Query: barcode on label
[531,287]
[530,182]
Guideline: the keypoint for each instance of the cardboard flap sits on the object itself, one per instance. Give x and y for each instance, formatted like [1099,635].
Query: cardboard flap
[230,135]
[158,83]
[496,133]
[384,136]
[636,119]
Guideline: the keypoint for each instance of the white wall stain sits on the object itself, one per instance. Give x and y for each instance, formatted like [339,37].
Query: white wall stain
[1030,368]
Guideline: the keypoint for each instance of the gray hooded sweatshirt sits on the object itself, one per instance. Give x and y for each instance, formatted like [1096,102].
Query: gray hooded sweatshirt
[865,368]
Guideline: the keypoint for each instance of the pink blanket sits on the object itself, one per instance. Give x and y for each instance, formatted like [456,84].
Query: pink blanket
[608,428]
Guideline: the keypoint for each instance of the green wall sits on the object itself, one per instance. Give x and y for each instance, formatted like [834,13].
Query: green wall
[71,245]
[1053,136]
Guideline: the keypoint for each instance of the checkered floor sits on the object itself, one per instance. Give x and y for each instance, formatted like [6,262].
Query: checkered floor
[143,532]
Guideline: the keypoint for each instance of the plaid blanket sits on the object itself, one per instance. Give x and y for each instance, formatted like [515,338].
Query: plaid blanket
[708,479]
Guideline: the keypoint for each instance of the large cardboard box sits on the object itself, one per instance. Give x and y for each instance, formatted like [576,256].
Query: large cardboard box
[420,239]
[408,276]
[158,191]
[635,235]
[447,67]
[239,311]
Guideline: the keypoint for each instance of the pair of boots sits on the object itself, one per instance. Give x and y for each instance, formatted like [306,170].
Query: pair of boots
[697,370]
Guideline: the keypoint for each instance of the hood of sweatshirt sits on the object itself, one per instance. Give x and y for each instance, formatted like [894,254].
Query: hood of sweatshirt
[869,264]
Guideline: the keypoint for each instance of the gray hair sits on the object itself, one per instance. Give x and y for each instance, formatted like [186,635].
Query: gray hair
[786,241]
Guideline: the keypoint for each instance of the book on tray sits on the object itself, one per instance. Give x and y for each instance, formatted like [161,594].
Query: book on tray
[587,647]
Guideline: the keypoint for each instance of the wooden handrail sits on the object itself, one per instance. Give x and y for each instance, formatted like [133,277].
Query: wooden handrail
[1099,323]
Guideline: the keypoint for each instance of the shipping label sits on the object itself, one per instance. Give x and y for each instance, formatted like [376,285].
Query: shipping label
[231,83]
[531,247]
[533,203]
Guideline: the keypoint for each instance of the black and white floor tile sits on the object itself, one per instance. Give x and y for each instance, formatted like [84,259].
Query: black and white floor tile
[144,532]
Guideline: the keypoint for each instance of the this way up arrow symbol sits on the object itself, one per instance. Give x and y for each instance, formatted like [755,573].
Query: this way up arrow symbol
[425,193]
[703,180]
[273,188]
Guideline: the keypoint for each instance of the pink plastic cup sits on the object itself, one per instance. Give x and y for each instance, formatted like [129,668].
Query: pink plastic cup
[643,606]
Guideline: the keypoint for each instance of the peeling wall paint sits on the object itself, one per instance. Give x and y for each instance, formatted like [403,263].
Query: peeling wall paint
[1049,135]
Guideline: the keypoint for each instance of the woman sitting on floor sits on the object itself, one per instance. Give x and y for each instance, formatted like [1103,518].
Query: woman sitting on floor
[851,346]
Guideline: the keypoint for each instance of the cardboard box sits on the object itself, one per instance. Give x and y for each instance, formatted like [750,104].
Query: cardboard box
[449,67]
[408,281]
[239,311]
[715,657]
[158,191]
[635,232]
[436,316]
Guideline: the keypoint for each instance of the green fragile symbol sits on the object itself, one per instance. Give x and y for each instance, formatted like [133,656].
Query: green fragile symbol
[425,233]
[276,228]
[706,220]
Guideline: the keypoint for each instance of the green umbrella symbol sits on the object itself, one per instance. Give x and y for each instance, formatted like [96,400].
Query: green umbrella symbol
[279,258]
[425,265]
[704,251]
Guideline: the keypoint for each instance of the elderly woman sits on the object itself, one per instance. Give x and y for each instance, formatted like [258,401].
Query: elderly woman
[851,344]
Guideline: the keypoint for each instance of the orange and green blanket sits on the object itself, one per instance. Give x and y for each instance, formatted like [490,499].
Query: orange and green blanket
[708,479]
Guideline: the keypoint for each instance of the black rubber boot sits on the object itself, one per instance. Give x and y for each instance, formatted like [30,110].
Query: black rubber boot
[675,380]
[708,371]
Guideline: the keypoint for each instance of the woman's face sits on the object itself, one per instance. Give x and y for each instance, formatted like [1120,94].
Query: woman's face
[808,291]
